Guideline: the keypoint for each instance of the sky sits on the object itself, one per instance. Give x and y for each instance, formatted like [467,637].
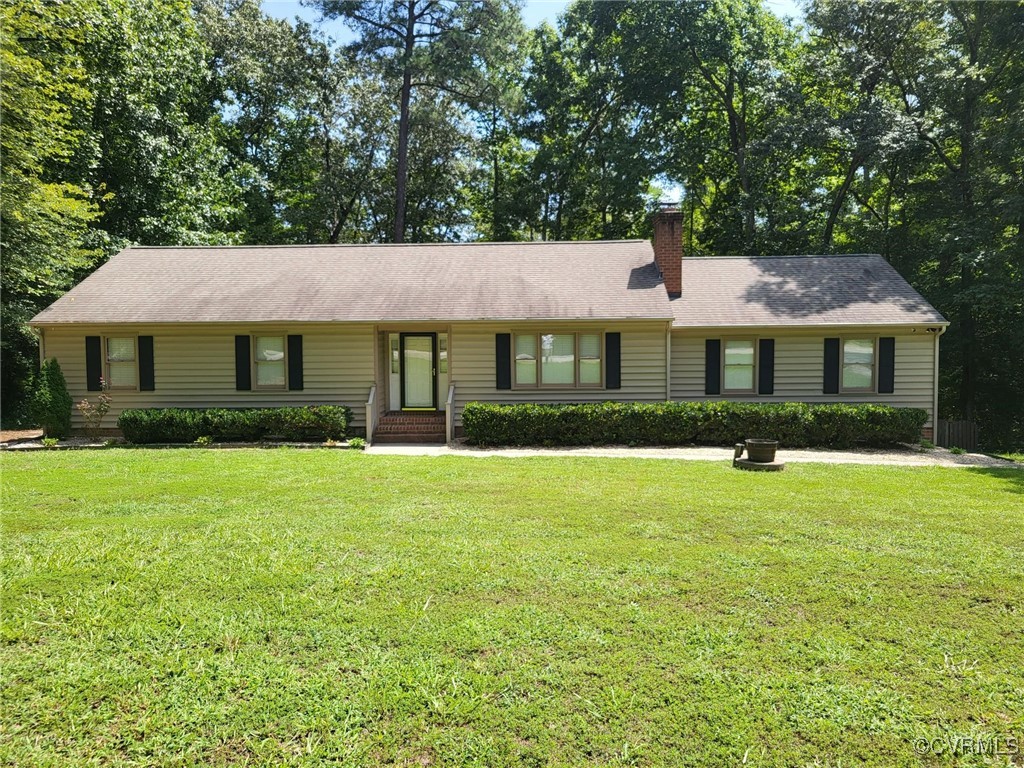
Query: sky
[534,12]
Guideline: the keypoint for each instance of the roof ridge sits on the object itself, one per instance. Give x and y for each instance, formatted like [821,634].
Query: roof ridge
[787,256]
[477,243]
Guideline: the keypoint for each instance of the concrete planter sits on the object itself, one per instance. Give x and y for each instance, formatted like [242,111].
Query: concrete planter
[761,451]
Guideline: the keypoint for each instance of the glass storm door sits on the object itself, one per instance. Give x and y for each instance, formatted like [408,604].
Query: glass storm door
[418,371]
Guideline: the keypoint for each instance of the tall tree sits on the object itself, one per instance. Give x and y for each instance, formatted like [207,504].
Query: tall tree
[45,208]
[954,70]
[590,165]
[425,44]
[711,79]
[151,150]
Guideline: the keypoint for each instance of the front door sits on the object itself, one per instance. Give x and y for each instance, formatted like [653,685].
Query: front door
[419,372]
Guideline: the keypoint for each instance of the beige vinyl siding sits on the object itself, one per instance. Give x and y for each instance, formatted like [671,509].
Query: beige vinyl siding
[194,367]
[472,364]
[799,363]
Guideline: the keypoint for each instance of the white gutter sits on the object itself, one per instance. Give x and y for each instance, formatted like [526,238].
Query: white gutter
[935,387]
[668,363]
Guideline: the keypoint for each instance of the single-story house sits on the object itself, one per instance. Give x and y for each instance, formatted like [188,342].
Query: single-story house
[406,335]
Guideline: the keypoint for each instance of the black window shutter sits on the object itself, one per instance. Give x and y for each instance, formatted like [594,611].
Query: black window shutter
[766,367]
[613,361]
[146,380]
[830,385]
[887,365]
[93,363]
[712,367]
[503,361]
[243,368]
[295,362]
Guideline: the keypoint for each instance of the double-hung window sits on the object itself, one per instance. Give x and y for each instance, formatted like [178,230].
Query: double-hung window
[858,365]
[121,363]
[558,360]
[269,361]
[739,361]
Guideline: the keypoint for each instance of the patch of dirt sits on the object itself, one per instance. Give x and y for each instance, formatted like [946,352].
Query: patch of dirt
[14,435]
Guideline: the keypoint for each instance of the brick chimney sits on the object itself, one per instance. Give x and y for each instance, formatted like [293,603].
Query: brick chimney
[668,248]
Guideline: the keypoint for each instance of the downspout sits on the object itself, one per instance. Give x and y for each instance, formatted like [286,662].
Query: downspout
[668,362]
[42,346]
[935,387]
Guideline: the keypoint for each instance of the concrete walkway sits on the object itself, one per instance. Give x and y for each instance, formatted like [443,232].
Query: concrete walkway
[938,457]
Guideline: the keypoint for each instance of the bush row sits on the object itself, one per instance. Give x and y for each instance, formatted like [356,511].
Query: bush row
[185,425]
[794,425]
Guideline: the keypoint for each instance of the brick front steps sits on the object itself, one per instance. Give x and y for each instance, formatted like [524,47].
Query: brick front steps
[405,427]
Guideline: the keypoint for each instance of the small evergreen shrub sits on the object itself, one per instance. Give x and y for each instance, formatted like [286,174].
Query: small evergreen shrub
[50,406]
[794,425]
[187,425]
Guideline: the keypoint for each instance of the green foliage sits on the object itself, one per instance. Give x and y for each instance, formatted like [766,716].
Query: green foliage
[50,442]
[50,407]
[794,425]
[357,444]
[957,450]
[45,209]
[94,413]
[185,425]
[203,441]
[439,55]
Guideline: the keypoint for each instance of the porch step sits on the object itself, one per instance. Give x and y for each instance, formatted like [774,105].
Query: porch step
[405,427]
[408,437]
[423,428]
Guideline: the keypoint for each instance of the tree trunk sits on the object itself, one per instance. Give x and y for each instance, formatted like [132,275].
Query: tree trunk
[838,202]
[738,142]
[402,174]
[497,231]
[965,184]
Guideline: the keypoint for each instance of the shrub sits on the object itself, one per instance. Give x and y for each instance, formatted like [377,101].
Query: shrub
[187,425]
[50,407]
[357,444]
[794,425]
[93,414]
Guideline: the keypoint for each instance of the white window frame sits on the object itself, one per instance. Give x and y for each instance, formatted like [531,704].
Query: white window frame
[256,386]
[540,385]
[135,359]
[870,390]
[754,372]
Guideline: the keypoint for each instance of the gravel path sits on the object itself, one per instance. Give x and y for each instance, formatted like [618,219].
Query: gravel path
[910,457]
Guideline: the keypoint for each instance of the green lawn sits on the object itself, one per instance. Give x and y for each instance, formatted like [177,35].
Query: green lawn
[188,607]
[1018,457]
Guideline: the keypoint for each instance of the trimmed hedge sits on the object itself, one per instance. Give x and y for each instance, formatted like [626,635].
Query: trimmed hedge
[794,425]
[185,425]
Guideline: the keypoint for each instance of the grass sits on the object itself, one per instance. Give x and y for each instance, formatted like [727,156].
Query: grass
[287,607]
[1018,457]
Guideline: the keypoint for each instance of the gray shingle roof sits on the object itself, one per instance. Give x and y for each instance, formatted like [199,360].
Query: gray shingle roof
[502,281]
[797,290]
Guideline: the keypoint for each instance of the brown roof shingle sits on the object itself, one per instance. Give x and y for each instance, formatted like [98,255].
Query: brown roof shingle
[797,290]
[502,281]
